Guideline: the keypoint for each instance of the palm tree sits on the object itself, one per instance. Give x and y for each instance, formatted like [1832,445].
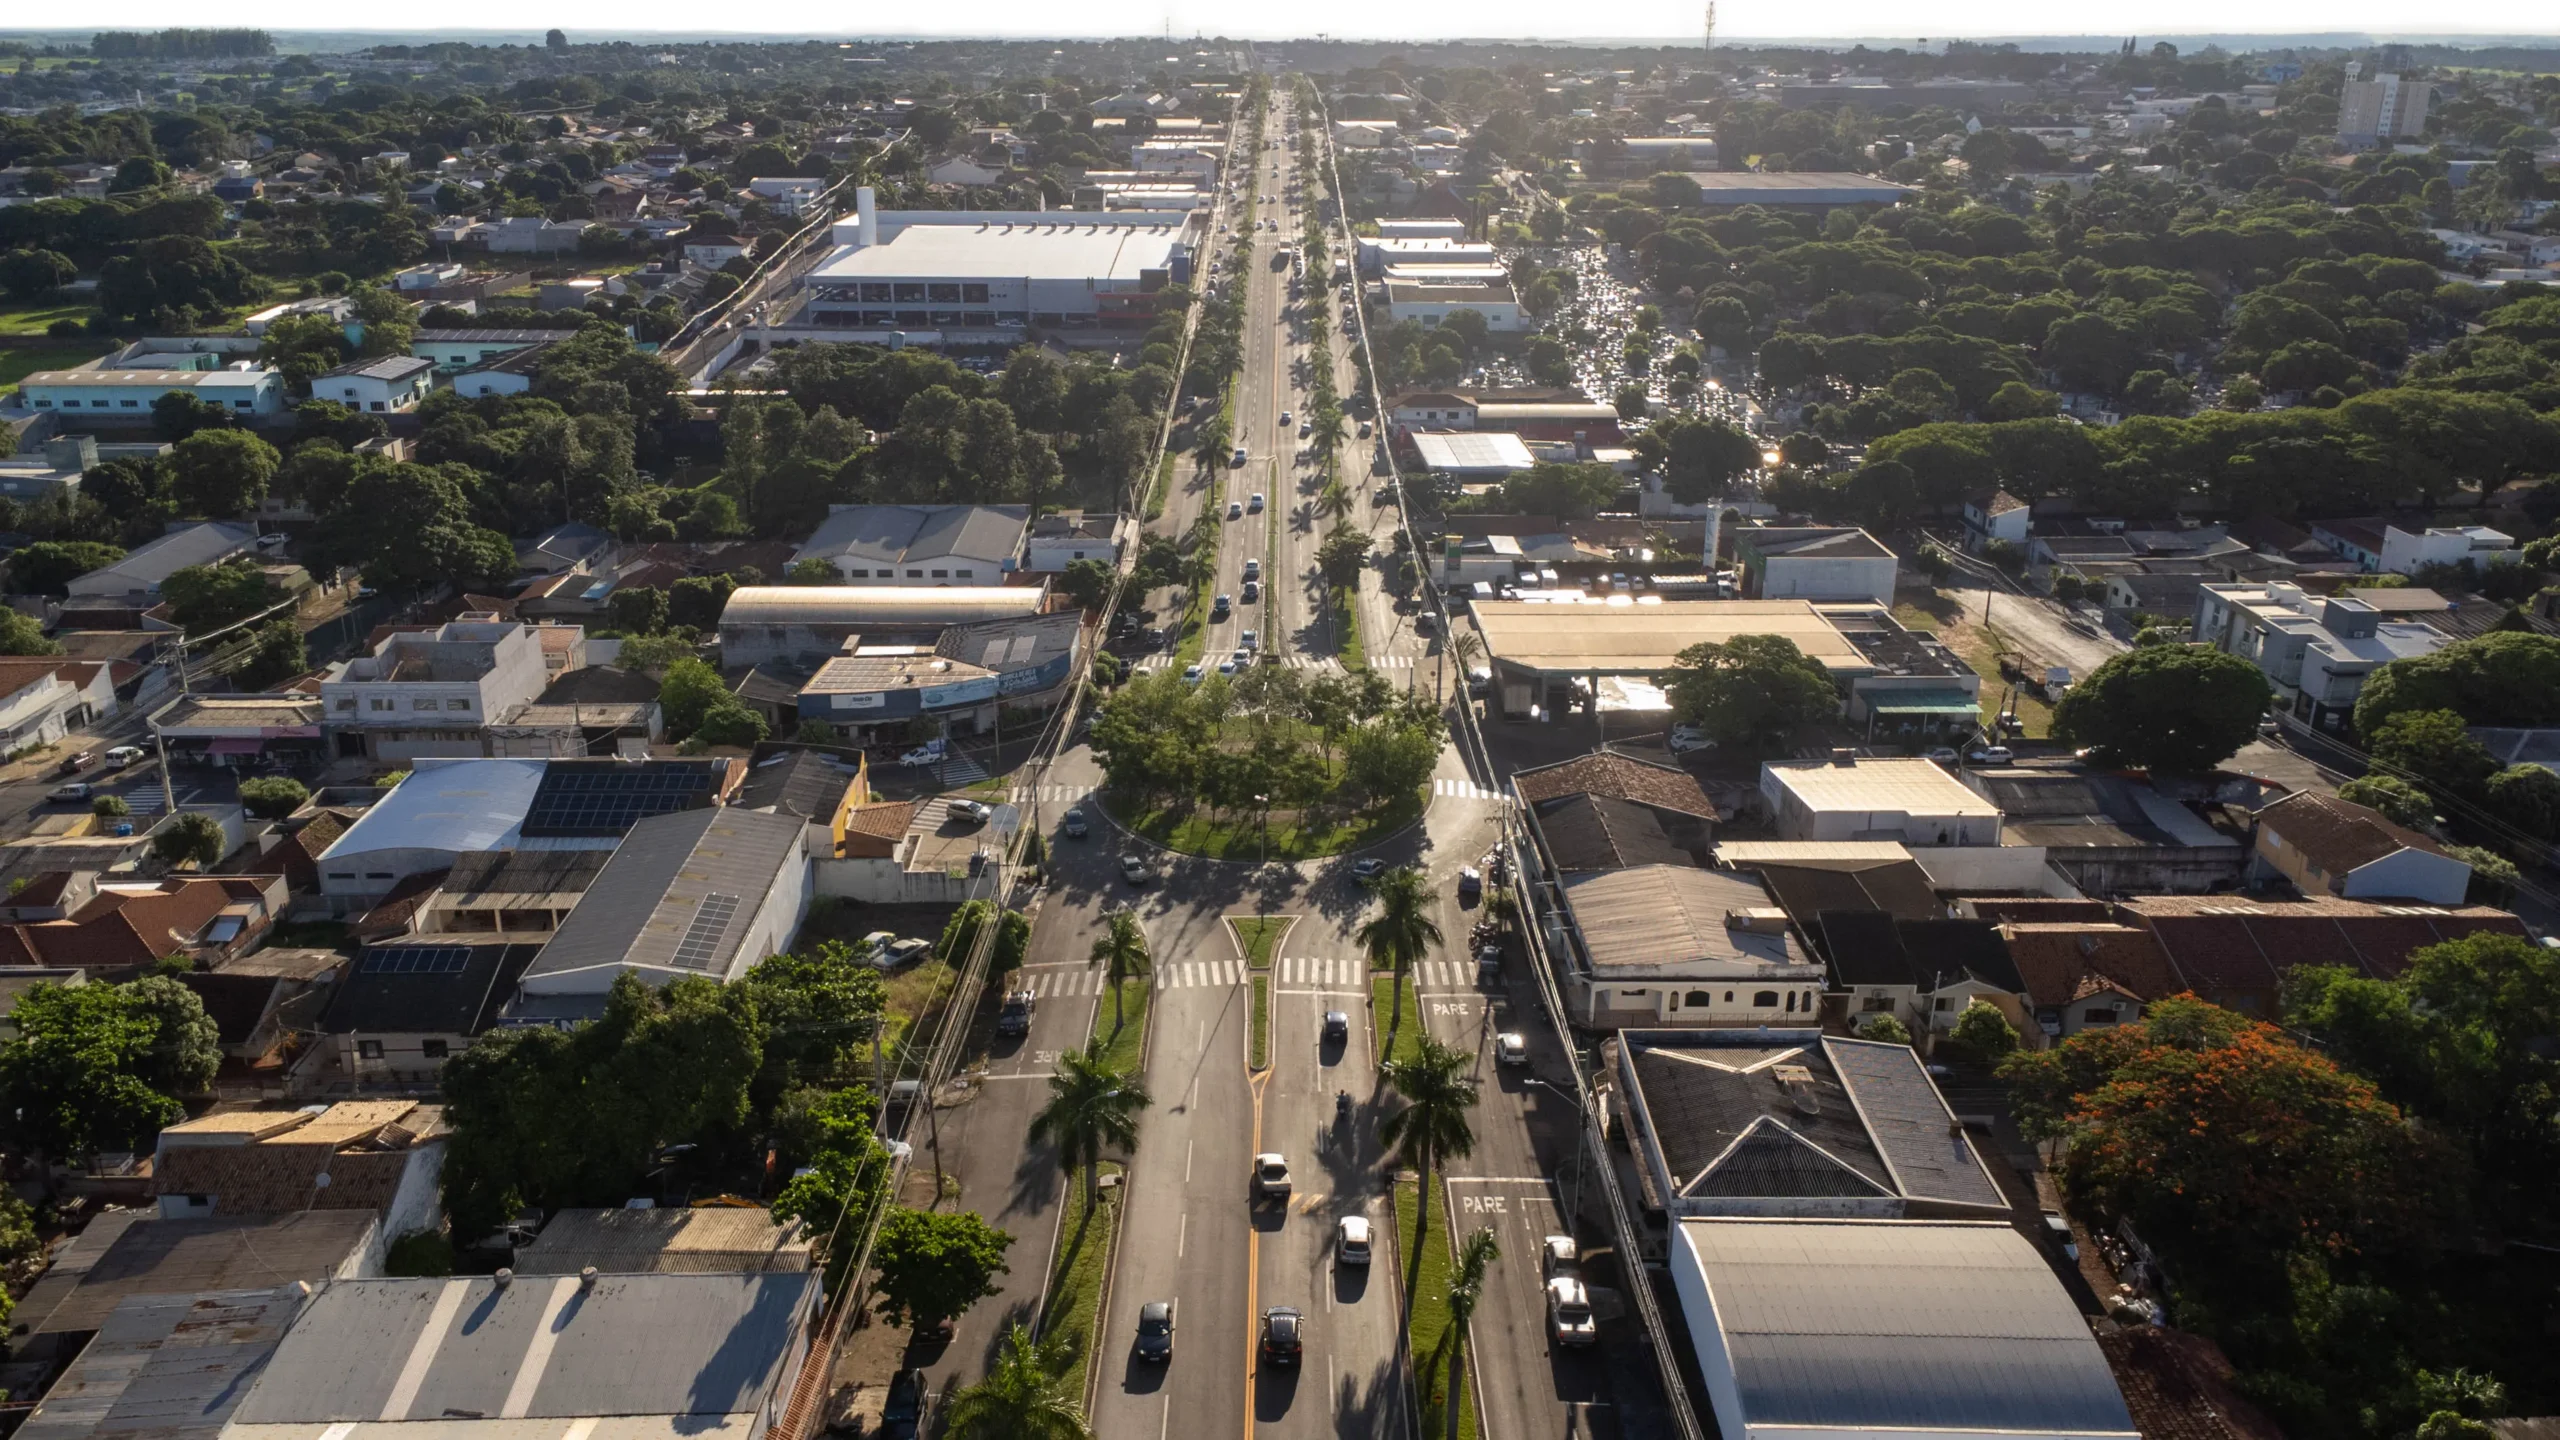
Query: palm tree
[1401,933]
[1210,443]
[1023,1396]
[1466,1287]
[1092,1107]
[1433,1125]
[1335,501]
[1122,951]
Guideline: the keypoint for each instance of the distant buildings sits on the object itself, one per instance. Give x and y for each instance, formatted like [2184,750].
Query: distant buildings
[2315,650]
[936,270]
[2382,108]
[920,545]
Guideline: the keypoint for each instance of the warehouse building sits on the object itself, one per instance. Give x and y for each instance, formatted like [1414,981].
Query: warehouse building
[129,394]
[1794,189]
[997,270]
[809,624]
[959,674]
[1889,1330]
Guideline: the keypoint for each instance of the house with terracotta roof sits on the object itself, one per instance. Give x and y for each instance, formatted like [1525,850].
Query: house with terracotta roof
[2329,846]
[2235,950]
[382,1156]
[2081,976]
[1606,811]
[123,928]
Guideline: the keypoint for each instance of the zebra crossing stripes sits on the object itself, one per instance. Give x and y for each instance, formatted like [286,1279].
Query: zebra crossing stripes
[1050,794]
[1329,973]
[1444,975]
[1191,973]
[1463,790]
[145,799]
[1333,665]
[1063,982]
[956,769]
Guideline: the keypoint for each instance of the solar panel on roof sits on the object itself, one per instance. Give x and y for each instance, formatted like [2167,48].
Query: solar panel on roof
[581,801]
[417,960]
[701,942]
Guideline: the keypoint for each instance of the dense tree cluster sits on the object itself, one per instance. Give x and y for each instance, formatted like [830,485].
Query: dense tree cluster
[1269,738]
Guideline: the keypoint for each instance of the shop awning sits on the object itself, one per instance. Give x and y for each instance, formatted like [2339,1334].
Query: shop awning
[236,747]
[1924,702]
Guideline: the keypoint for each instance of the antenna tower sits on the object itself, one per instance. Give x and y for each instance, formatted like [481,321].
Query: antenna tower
[1711,25]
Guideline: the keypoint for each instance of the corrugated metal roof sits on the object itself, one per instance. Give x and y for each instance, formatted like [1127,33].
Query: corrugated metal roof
[919,534]
[882,604]
[457,805]
[541,1347]
[147,1256]
[166,1367]
[1900,1326]
[1655,915]
[1910,1123]
[676,897]
[713,1239]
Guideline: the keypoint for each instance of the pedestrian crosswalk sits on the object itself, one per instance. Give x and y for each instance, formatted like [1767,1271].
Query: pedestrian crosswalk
[1331,974]
[1333,665]
[1061,981]
[1185,974]
[145,799]
[1463,790]
[956,769]
[1050,794]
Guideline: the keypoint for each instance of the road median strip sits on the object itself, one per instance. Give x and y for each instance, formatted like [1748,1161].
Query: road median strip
[1428,1261]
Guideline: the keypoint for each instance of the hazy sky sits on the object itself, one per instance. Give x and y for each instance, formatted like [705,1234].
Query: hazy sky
[1406,20]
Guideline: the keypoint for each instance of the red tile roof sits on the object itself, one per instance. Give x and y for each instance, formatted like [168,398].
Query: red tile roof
[2057,963]
[1622,777]
[124,927]
[2338,835]
[2229,943]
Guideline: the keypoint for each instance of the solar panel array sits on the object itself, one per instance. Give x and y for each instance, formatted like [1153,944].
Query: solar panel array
[576,800]
[701,942]
[417,960]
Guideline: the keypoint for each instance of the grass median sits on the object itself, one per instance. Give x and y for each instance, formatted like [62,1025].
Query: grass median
[1258,1043]
[1258,936]
[1072,1310]
[1427,1266]
[1347,646]
[1397,1039]
[1121,1026]
[1199,831]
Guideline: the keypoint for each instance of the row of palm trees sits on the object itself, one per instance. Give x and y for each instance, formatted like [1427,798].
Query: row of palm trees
[1094,1108]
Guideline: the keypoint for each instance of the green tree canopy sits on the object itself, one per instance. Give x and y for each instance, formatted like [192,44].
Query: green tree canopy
[1751,692]
[935,1264]
[208,597]
[2503,678]
[2178,708]
[99,1067]
[221,473]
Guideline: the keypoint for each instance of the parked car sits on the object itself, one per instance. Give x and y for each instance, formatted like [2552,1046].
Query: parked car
[1685,738]
[1479,681]
[904,952]
[1569,1318]
[77,761]
[973,812]
[1470,882]
[1559,1255]
[1943,754]
[1511,1048]
[1271,1176]
[75,791]
[903,1412]
[1351,1240]
[1990,755]
[1155,1331]
[1014,1018]
[123,755]
[2058,1230]
[1074,824]
[929,753]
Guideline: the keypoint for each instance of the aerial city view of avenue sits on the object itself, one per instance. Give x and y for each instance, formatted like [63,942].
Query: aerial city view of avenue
[1021,735]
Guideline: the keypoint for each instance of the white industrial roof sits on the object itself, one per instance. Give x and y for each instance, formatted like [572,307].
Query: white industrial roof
[1099,249]
[1907,786]
[453,805]
[164,379]
[1898,1327]
[1473,452]
[881,604]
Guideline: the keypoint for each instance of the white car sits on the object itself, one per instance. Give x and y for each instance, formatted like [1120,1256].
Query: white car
[929,753]
[1991,755]
[1351,1240]
[1229,665]
[1685,738]
[1136,871]
[1244,644]
[1569,1318]
[1511,1048]
[1271,1176]
[1559,1255]
[1191,674]
[118,757]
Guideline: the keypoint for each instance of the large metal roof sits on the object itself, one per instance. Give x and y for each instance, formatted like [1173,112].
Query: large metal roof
[881,604]
[447,805]
[696,1347]
[1586,637]
[676,899]
[1898,1327]
[166,1367]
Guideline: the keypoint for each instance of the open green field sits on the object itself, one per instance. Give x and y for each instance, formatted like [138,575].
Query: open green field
[18,362]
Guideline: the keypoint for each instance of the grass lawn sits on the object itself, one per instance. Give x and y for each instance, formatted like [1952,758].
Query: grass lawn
[1405,1041]
[1195,616]
[1199,832]
[1258,1040]
[1346,623]
[1426,1274]
[1072,1310]
[1164,484]
[18,362]
[1259,936]
[1123,1032]
[37,316]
